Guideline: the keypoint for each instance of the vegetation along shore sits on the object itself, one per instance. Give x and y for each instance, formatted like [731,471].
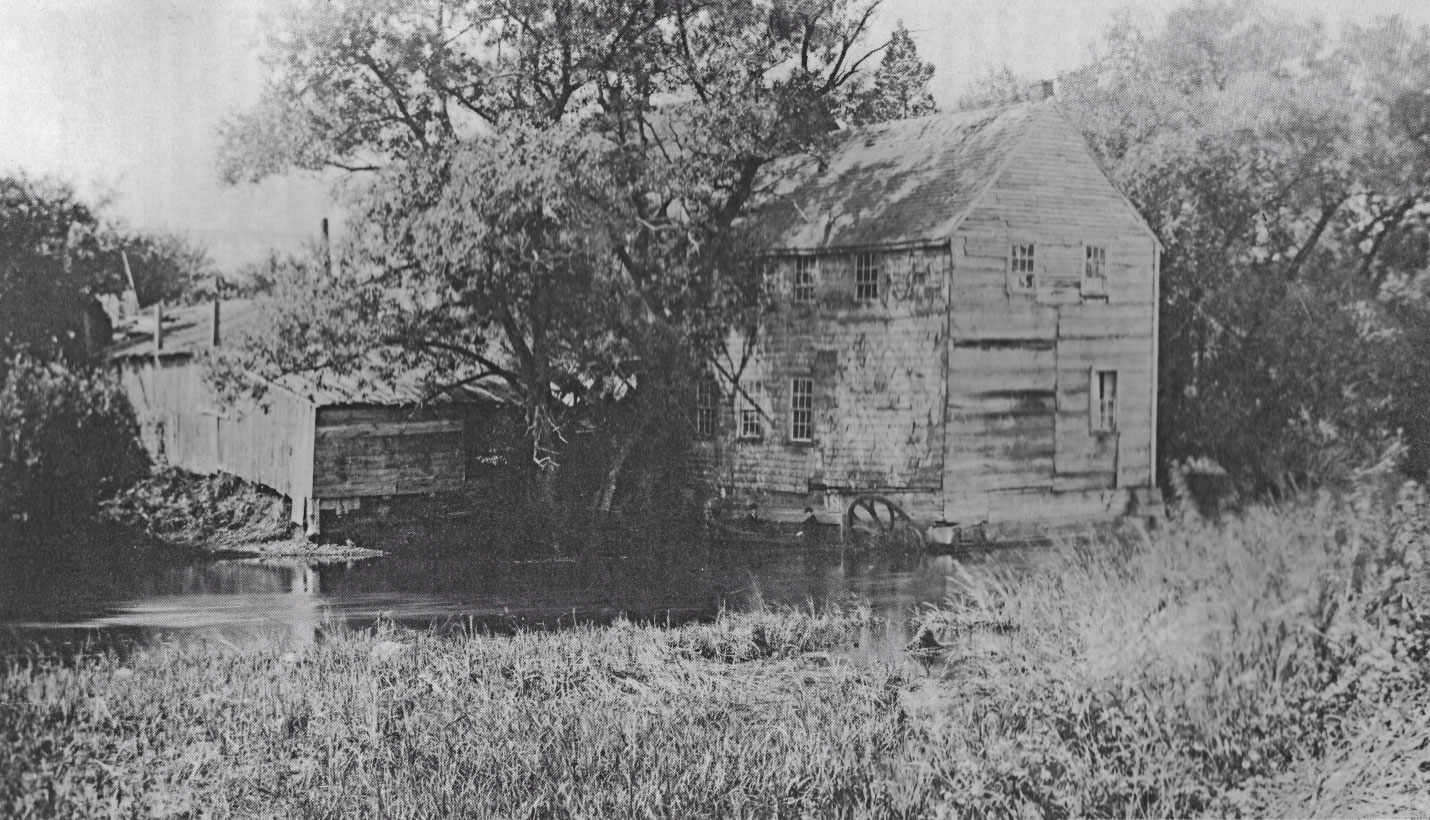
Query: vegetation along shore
[1273,664]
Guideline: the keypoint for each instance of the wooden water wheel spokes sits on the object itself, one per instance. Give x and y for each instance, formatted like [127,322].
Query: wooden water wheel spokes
[874,517]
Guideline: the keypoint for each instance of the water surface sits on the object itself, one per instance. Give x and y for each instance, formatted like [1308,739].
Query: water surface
[465,583]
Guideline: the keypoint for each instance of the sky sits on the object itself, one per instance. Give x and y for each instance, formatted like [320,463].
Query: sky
[123,98]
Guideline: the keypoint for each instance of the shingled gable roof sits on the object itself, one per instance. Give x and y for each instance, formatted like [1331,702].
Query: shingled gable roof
[901,183]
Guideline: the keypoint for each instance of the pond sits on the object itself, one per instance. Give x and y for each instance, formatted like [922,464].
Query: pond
[466,584]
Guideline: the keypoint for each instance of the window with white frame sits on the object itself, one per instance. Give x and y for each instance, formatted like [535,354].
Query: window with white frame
[801,409]
[866,276]
[1022,268]
[707,407]
[804,279]
[752,422]
[1094,270]
[1104,401]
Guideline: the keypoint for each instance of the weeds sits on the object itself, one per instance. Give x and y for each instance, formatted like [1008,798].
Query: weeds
[593,722]
[1212,669]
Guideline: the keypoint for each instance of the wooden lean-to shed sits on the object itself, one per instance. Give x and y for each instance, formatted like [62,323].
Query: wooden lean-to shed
[327,442]
[967,325]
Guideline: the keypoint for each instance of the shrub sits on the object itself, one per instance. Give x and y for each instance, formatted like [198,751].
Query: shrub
[68,439]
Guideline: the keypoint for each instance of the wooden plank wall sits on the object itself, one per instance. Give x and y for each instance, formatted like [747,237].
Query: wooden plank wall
[1019,443]
[183,424]
[878,383]
[375,451]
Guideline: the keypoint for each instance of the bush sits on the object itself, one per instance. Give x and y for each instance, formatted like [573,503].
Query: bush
[67,440]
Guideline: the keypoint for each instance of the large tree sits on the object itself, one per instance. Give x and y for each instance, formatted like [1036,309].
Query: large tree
[550,192]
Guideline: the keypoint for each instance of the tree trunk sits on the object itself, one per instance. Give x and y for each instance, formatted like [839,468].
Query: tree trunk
[608,493]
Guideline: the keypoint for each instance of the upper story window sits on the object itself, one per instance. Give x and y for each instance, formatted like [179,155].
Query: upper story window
[707,407]
[1104,401]
[1094,270]
[866,276]
[804,279]
[1022,268]
[801,404]
[752,423]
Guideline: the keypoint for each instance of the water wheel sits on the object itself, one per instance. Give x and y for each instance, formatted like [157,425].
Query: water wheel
[874,519]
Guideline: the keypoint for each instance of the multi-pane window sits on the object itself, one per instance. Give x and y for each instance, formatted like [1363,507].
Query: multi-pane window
[801,404]
[1104,401]
[707,407]
[752,424]
[804,279]
[866,276]
[1094,270]
[1022,268]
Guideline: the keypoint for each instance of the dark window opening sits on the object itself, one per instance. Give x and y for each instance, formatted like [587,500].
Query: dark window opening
[801,419]
[866,277]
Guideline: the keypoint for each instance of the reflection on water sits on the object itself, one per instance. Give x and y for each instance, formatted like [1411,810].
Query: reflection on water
[460,585]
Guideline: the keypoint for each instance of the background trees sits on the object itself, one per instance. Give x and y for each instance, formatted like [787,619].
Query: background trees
[549,193]
[1284,166]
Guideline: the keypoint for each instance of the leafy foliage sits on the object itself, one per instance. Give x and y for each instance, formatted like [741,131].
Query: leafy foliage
[899,89]
[67,440]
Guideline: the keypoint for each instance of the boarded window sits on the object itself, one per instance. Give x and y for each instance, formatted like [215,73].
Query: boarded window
[1022,268]
[804,279]
[1104,401]
[1094,270]
[707,407]
[801,417]
[752,424]
[866,277]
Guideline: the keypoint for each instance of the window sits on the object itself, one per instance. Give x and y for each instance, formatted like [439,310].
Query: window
[801,407]
[1104,401]
[707,407]
[1022,271]
[866,277]
[804,279]
[752,425]
[1094,270]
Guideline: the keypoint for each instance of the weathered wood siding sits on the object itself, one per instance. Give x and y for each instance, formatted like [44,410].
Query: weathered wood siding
[877,371]
[182,423]
[376,451]
[1019,442]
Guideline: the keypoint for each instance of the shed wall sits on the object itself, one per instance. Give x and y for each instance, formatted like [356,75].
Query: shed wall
[377,451]
[182,423]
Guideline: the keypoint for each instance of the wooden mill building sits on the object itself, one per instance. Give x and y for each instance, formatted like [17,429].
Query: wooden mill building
[330,443]
[966,324]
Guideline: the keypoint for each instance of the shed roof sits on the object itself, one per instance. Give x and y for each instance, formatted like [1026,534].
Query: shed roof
[189,330]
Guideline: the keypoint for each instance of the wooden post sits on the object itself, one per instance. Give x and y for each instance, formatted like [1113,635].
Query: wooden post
[327,250]
[216,320]
[158,328]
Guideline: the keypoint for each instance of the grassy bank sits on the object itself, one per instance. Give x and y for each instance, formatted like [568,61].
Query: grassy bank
[726,719]
[1274,664]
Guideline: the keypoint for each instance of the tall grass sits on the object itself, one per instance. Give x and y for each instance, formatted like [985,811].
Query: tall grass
[1274,664]
[623,721]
